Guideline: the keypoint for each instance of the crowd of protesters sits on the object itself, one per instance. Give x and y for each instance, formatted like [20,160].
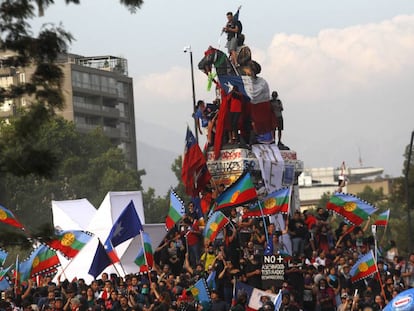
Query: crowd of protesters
[317,259]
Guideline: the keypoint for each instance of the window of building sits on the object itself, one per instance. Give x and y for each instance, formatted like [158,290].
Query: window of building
[123,112]
[95,82]
[76,79]
[112,86]
[105,84]
[124,127]
[122,89]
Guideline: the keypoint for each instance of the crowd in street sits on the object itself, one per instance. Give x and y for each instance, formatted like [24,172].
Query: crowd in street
[317,263]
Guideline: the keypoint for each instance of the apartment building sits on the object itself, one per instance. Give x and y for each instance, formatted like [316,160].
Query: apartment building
[97,93]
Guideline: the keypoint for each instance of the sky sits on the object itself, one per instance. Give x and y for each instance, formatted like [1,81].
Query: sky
[343,70]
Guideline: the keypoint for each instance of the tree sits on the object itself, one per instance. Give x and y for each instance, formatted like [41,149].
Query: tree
[323,201]
[374,197]
[28,164]
[88,166]
[17,153]
[155,208]
[176,167]
[401,204]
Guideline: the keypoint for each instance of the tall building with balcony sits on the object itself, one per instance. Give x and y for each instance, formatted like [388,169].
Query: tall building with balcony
[97,93]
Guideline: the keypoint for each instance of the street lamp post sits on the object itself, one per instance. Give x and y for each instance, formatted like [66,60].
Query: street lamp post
[407,196]
[188,49]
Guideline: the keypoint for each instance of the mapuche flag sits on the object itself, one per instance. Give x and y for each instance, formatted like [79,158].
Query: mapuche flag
[242,191]
[145,257]
[350,207]
[7,217]
[175,212]
[273,203]
[70,242]
[215,223]
[382,219]
[3,272]
[3,256]
[200,291]
[364,267]
[43,260]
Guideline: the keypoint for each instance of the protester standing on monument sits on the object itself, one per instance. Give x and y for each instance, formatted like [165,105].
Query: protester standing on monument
[277,108]
[233,29]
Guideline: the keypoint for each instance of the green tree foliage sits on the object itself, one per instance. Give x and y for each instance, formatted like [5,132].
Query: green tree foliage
[402,203]
[155,207]
[88,167]
[22,48]
[373,197]
[37,163]
[397,229]
[179,189]
[323,200]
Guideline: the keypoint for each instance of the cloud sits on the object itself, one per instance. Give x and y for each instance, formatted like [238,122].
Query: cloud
[340,59]
[344,90]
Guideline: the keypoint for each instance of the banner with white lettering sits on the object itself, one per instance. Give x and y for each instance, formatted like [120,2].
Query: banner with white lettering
[271,165]
[273,271]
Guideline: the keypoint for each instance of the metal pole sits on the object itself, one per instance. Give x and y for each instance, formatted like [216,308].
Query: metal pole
[188,49]
[374,233]
[407,197]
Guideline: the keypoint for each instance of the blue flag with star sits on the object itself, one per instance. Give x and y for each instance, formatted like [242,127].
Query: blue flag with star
[127,226]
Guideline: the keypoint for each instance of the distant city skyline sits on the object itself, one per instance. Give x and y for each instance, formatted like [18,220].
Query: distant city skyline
[343,70]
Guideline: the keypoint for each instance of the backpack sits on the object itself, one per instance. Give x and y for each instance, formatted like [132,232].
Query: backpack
[239,35]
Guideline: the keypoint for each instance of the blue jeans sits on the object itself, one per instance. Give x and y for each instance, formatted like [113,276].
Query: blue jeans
[298,245]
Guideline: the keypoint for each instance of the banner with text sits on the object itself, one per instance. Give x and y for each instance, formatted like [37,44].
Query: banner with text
[273,271]
[271,165]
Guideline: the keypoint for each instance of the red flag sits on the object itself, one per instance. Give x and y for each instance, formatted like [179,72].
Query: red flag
[205,203]
[263,117]
[194,172]
[221,121]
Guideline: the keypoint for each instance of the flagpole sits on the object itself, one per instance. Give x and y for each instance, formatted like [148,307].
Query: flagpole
[234,291]
[112,263]
[290,199]
[145,257]
[64,269]
[349,230]
[17,274]
[383,234]
[374,233]
[354,300]
[120,263]
[386,227]
[264,222]
[379,279]
[288,214]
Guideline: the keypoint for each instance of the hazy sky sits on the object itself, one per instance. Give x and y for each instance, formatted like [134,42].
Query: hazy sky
[344,70]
